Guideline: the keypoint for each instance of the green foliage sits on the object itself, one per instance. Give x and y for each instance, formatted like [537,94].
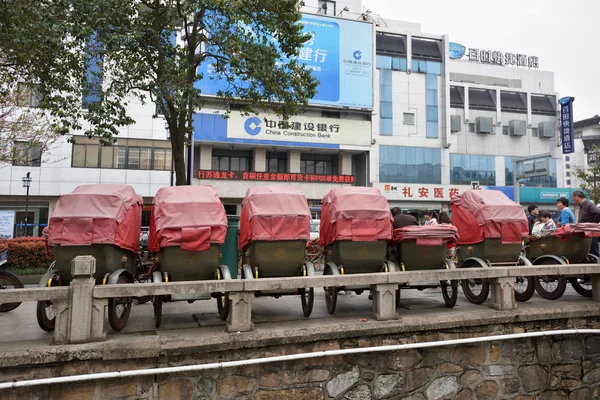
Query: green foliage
[27,255]
[590,176]
[129,42]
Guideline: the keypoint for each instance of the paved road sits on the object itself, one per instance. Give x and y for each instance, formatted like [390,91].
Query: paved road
[21,324]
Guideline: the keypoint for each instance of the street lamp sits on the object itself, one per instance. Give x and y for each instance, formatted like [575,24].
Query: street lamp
[26,184]
[169,138]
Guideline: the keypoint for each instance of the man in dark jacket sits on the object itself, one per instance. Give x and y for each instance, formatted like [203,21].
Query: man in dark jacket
[401,220]
[588,212]
[533,212]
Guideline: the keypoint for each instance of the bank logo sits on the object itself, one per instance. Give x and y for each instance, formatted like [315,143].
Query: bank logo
[357,55]
[456,50]
[252,126]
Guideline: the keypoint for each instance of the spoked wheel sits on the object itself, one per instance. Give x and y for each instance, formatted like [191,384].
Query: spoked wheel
[475,290]
[583,284]
[550,287]
[450,292]
[331,293]
[524,288]
[223,305]
[307,296]
[143,278]
[9,280]
[45,312]
[119,308]
[157,303]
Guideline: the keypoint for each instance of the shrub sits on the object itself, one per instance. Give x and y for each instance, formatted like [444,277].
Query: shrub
[27,254]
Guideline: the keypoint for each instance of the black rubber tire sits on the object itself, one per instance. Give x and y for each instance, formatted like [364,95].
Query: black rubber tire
[560,287]
[223,305]
[307,297]
[157,303]
[450,298]
[528,293]
[43,307]
[578,284]
[472,297]
[118,322]
[331,294]
[8,280]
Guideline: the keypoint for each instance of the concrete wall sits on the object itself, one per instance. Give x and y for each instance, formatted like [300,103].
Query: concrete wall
[558,367]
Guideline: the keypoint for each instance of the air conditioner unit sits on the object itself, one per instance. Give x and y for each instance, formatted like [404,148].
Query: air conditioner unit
[484,125]
[517,128]
[455,123]
[546,129]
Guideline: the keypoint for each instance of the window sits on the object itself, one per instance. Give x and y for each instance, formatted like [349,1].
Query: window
[231,160]
[27,154]
[534,132]
[514,102]
[426,49]
[330,114]
[482,99]
[568,173]
[92,87]
[276,162]
[537,181]
[457,97]
[409,118]
[543,104]
[319,164]
[466,168]
[385,102]
[127,154]
[471,127]
[432,106]
[402,164]
[505,130]
[28,95]
[567,158]
[568,181]
[391,44]
[326,8]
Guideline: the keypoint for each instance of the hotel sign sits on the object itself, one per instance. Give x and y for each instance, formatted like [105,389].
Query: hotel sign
[494,57]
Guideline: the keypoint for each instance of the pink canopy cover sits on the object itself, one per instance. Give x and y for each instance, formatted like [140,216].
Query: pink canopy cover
[274,213]
[426,235]
[588,230]
[191,217]
[360,214]
[481,214]
[97,214]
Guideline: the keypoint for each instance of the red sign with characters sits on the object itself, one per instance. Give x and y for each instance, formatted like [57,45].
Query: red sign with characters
[273,177]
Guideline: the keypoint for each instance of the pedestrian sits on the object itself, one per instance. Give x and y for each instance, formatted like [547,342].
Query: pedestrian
[566,215]
[402,220]
[548,223]
[445,219]
[588,212]
[533,211]
[430,219]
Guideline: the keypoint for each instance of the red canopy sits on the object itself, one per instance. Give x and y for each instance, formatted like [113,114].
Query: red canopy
[97,214]
[192,217]
[359,214]
[426,235]
[589,230]
[274,213]
[482,214]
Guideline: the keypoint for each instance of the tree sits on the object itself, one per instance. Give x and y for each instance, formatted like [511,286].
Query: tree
[590,176]
[118,50]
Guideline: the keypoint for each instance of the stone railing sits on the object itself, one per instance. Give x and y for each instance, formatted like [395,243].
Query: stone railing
[85,302]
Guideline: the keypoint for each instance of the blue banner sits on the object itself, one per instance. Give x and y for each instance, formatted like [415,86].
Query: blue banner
[566,124]
[339,55]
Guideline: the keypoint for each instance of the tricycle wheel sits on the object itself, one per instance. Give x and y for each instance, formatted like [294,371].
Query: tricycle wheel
[331,293]
[450,292]
[307,296]
[119,308]
[551,287]
[9,280]
[157,303]
[223,305]
[143,278]
[582,285]
[475,290]
[45,312]
[524,288]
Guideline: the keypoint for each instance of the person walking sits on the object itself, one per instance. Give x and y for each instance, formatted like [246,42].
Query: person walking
[402,220]
[566,215]
[533,212]
[589,213]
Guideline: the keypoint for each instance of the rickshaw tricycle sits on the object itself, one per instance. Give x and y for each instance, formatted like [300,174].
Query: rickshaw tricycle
[356,225]
[99,220]
[274,232]
[188,225]
[491,228]
[567,245]
[415,248]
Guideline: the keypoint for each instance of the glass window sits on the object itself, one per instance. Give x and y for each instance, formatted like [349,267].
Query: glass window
[27,154]
[121,157]
[537,181]
[402,164]
[505,130]
[107,157]
[92,152]
[386,109]
[409,118]
[319,164]
[399,63]
[160,159]
[78,159]
[385,126]
[432,130]
[276,162]
[133,158]
[432,113]
[384,62]
[465,168]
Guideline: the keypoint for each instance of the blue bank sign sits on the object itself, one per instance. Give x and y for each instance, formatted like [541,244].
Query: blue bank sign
[339,55]
[566,124]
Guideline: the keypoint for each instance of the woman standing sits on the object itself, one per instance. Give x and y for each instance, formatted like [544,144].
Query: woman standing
[430,219]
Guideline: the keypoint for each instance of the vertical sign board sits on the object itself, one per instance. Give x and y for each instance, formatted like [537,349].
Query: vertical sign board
[566,124]
[7,224]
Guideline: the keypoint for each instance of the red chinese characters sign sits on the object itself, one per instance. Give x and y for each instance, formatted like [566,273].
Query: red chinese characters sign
[273,177]
[417,192]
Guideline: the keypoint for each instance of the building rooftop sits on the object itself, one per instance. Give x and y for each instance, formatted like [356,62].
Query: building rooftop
[584,123]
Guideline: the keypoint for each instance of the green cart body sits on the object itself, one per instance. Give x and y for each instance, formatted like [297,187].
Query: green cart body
[575,249]
[357,257]
[181,265]
[491,249]
[276,258]
[413,257]
[109,258]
